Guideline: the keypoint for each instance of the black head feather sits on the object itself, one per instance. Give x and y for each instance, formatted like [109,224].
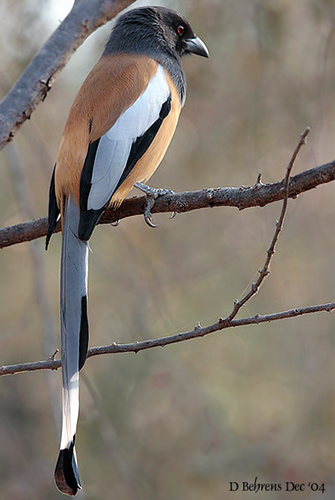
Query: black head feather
[150,30]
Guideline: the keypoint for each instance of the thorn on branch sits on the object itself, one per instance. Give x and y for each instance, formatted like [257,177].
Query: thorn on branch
[264,273]
[27,114]
[53,356]
[136,350]
[258,182]
[45,87]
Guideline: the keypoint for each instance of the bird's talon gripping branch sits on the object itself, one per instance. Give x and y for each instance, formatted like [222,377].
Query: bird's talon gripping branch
[153,192]
[152,195]
[150,201]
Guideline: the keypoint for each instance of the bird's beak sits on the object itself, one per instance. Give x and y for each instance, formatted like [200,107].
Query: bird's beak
[195,45]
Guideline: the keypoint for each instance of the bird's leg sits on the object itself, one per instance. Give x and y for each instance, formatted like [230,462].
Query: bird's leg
[153,192]
[152,195]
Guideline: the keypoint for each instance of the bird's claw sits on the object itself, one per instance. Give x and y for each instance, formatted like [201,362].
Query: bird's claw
[150,201]
[152,195]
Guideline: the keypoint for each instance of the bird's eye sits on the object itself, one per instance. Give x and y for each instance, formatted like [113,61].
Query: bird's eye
[180,30]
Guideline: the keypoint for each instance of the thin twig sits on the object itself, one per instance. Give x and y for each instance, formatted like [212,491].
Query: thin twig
[265,271]
[258,195]
[171,339]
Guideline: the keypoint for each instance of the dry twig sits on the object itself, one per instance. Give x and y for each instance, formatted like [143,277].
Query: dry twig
[265,271]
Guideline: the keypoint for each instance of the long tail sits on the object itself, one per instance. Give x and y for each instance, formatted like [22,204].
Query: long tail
[74,336]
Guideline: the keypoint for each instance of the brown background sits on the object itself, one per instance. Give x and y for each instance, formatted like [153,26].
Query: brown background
[181,422]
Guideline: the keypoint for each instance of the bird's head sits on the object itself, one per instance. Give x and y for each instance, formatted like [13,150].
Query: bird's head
[156,29]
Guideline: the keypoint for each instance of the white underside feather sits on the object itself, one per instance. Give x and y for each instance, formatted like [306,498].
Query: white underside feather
[115,146]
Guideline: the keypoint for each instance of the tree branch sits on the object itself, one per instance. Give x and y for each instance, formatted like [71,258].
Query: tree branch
[51,364]
[241,198]
[37,79]
[223,323]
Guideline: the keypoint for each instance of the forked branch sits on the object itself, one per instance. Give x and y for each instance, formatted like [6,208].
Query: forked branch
[222,323]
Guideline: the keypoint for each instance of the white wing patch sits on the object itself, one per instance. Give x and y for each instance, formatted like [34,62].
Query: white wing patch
[114,147]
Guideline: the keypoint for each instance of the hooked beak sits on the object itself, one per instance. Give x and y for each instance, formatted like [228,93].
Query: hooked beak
[196,46]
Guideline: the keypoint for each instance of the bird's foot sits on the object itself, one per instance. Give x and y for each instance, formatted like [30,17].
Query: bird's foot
[152,195]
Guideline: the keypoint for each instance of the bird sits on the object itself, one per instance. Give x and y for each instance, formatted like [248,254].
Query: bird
[116,134]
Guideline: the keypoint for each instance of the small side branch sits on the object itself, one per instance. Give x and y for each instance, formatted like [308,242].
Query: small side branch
[265,271]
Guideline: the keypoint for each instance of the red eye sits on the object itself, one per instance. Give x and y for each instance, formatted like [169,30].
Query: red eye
[180,30]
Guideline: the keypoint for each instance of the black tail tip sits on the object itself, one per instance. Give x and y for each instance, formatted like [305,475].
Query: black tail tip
[66,472]
[47,239]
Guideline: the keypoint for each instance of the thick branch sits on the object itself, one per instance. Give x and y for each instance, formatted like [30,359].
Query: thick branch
[51,364]
[37,79]
[258,195]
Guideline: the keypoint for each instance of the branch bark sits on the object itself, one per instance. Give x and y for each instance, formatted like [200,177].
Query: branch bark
[198,331]
[241,198]
[35,82]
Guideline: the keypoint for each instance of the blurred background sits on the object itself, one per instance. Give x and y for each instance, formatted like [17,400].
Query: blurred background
[183,421]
